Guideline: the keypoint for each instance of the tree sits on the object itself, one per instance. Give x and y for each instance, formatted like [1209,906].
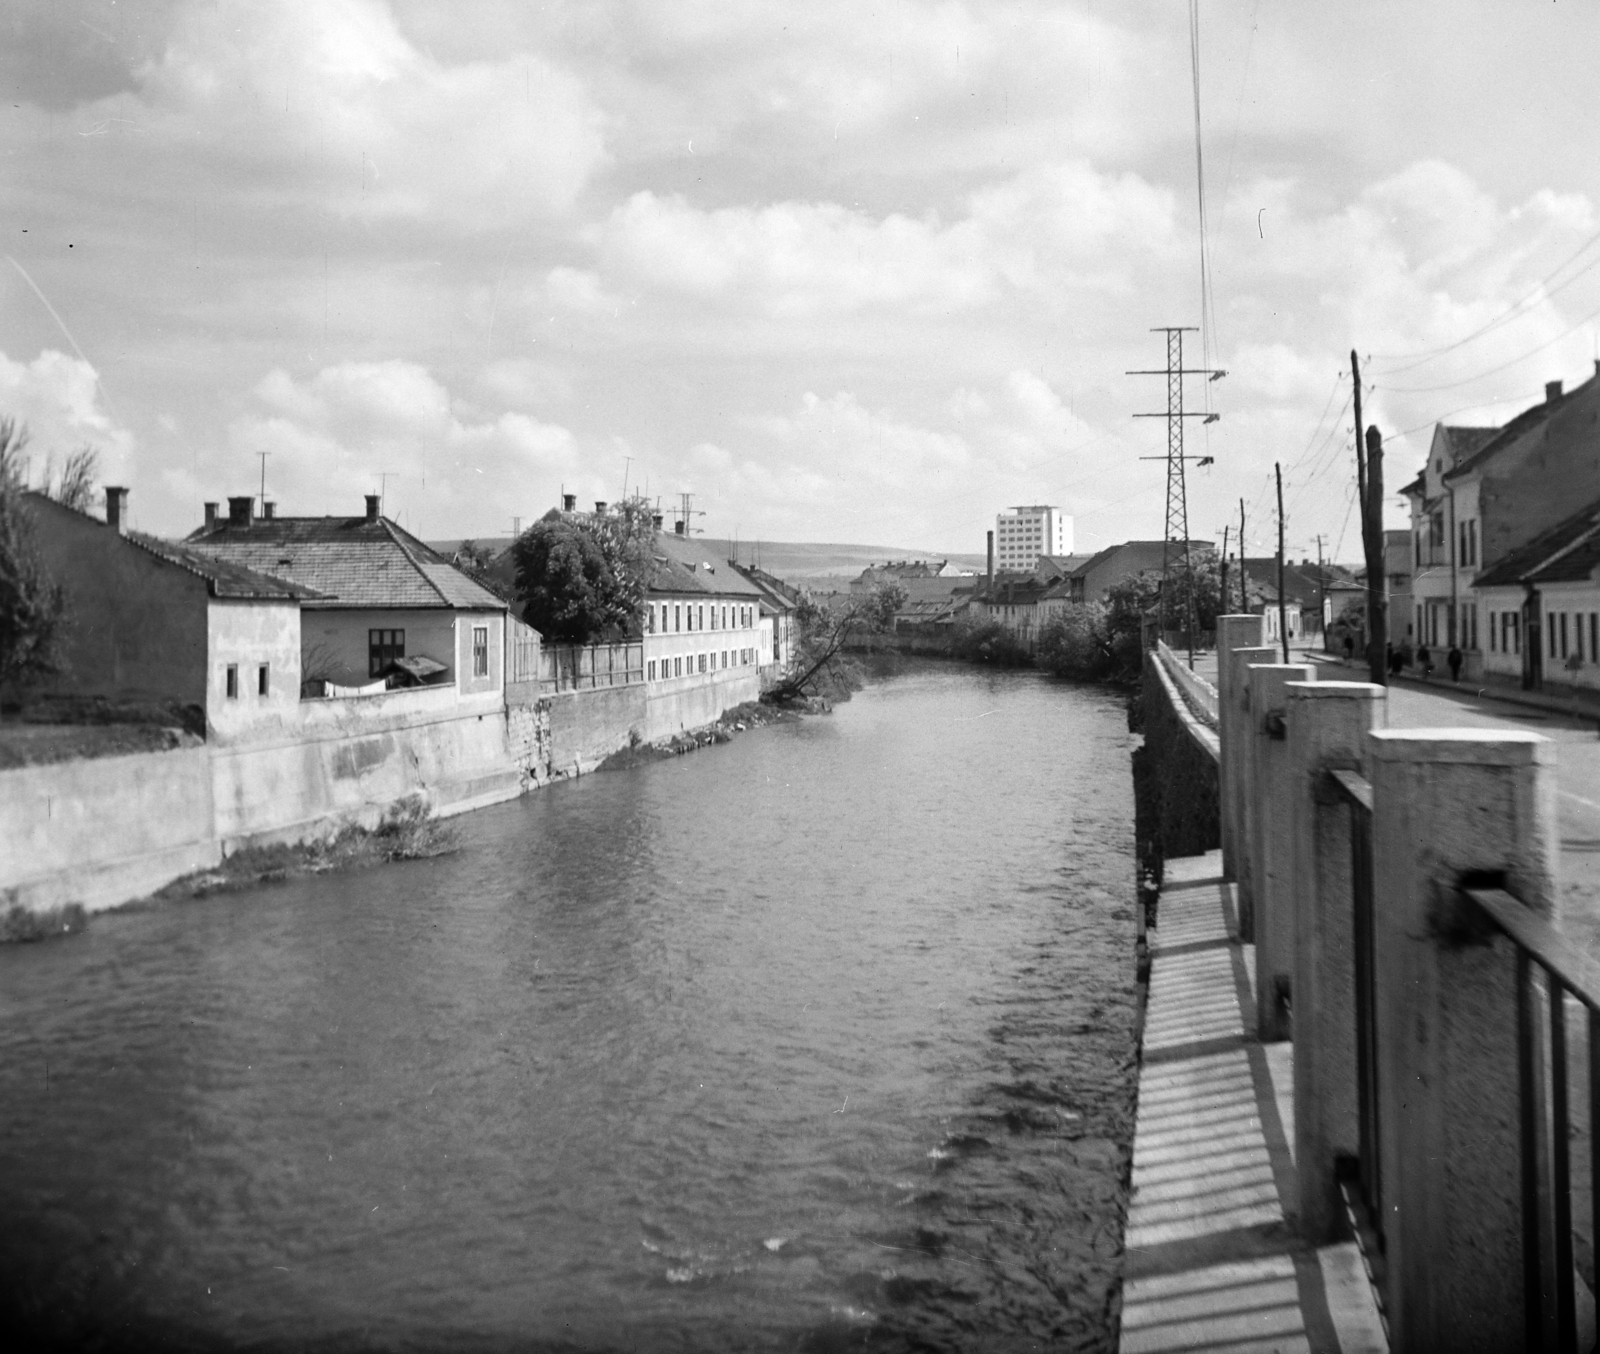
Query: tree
[583,575]
[1076,642]
[32,605]
[564,580]
[824,630]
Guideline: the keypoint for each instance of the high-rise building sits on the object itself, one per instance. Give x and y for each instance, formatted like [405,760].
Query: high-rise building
[1022,534]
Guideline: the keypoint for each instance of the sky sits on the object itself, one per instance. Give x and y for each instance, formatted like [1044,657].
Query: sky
[842,271]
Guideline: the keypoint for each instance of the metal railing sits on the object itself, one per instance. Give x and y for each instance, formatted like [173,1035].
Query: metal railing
[1545,1119]
[1364,1172]
[586,667]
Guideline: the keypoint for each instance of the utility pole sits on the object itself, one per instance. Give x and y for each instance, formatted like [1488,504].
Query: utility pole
[1244,599]
[1283,607]
[1222,581]
[516,529]
[1322,594]
[1377,599]
[1175,543]
[384,476]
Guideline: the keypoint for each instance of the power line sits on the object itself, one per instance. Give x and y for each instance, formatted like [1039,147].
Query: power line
[1455,385]
[1510,313]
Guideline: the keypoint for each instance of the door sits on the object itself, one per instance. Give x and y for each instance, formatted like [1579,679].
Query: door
[1532,643]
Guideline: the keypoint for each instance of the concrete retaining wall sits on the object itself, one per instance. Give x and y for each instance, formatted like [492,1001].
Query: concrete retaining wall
[101,831]
[105,830]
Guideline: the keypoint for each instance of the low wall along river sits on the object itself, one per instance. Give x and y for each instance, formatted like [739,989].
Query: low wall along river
[819,1039]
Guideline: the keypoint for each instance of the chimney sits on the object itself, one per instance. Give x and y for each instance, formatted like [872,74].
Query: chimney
[117,508]
[211,516]
[678,527]
[657,519]
[241,510]
[599,507]
[269,510]
[1552,391]
[569,502]
[373,500]
[991,562]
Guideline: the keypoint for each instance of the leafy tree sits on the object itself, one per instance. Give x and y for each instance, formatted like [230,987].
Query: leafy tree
[1076,642]
[564,580]
[988,641]
[584,575]
[32,605]
[823,631]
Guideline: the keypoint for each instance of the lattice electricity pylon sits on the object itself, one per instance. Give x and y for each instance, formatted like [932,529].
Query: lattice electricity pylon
[1175,543]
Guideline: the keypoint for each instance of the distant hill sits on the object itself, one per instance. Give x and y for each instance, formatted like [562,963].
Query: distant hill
[799,561]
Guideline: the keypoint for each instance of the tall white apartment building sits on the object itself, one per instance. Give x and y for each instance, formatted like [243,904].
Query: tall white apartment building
[1022,534]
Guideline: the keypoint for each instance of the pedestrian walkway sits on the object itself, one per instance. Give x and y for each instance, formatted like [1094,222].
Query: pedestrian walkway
[1212,1261]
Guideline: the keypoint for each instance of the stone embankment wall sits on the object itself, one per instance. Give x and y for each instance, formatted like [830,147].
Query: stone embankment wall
[1175,773]
[101,831]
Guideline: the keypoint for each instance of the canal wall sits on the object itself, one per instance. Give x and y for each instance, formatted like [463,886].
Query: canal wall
[101,831]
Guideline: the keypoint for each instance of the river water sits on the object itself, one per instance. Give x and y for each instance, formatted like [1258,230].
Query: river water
[818,1040]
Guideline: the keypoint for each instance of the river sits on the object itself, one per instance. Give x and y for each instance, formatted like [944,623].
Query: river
[821,1039]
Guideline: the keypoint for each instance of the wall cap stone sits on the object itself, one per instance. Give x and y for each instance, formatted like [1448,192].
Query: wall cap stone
[1326,690]
[1481,747]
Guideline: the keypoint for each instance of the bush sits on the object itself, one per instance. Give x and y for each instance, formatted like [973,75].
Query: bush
[1076,643]
[988,642]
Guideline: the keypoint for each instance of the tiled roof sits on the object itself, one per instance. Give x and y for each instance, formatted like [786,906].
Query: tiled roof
[351,561]
[683,566]
[1568,552]
[224,578]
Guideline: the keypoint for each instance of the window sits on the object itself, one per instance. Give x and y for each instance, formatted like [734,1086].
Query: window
[650,620]
[1594,636]
[383,647]
[724,658]
[724,618]
[233,681]
[677,667]
[652,665]
[261,680]
[1494,619]
[1550,629]
[702,662]
[702,616]
[1563,634]
[480,651]
[677,618]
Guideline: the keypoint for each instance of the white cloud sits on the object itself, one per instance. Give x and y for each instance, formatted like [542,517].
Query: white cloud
[58,398]
[334,437]
[329,105]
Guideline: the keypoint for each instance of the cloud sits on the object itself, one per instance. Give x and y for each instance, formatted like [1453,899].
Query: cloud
[329,105]
[336,436]
[1066,223]
[58,398]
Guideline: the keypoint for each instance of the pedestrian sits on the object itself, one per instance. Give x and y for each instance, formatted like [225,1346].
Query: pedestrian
[1425,661]
[1397,660]
[1349,646]
[1453,658]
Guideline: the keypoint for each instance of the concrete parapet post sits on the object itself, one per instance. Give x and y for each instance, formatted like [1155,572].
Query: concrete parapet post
[1237,732]
[1451,805]
[1233,632]
[1272,843]
[1328,727]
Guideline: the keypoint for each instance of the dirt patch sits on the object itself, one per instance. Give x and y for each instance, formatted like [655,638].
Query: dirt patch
[733,722]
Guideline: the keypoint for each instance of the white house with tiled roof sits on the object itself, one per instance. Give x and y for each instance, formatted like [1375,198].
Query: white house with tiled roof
[388,606]
[153,622]
[702,626]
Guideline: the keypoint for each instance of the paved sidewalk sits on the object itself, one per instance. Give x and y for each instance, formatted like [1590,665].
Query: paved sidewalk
[1212,1261]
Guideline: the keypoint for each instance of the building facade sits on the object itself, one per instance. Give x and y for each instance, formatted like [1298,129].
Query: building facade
[388,607]
[153,622]
[1022,534]
[702,623]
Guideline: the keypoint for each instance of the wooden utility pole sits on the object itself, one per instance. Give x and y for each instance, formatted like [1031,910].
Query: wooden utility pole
[1322,594]
[1377,598]
[1283,608]
[1222,581]
[1244,598]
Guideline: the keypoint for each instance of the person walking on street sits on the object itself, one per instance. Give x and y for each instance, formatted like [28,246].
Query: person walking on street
[1349,647]
[1425,662]
[1453,658]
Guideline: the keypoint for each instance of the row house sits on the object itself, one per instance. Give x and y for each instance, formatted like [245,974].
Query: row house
[780,606]
[1541,606]
[703,620]
[1484,493]
[386,609]
[153,623]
